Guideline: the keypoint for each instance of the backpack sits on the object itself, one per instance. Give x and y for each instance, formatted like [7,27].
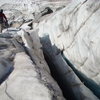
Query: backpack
[1,18]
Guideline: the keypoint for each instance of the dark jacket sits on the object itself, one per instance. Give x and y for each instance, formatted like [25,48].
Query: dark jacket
[3,18]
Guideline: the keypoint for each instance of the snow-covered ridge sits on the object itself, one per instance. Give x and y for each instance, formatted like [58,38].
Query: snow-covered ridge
[71,32]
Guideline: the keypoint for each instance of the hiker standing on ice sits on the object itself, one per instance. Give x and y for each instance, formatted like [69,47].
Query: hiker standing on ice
[3,20]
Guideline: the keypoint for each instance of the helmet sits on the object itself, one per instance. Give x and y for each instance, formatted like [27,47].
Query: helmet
[1,10]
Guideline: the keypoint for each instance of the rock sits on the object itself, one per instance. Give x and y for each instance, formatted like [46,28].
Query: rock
[47,10]
[6,56]
[73,31]
[25,82]
[72,86]
[74,34]
[31,78]
[5,69]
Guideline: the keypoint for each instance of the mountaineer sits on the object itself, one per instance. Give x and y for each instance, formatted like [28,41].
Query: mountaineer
[3,21]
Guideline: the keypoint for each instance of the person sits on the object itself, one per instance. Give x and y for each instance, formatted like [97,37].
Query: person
[3,20]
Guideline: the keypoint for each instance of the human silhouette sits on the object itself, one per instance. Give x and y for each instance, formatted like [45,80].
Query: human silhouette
[3,20]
